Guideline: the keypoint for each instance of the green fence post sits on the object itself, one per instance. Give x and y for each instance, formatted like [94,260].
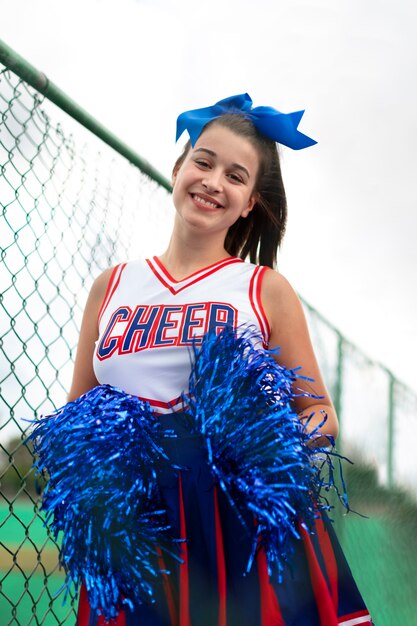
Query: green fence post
[339,385]
[391,420]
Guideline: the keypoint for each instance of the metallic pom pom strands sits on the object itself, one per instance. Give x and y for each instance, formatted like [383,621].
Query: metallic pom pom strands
[103,455]
[101,452]
[240,402]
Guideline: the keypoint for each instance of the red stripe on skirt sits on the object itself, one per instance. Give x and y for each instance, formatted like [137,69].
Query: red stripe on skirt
[84,611]
[221,567]
[169,594]
[329,560]
[120,620]
[363,613]
[324,603]
[83,614]
[270,612]
[184,582]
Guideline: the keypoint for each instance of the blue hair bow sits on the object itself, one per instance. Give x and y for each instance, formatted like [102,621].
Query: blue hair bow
[280,127]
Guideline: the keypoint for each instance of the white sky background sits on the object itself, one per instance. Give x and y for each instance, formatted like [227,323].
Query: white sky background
[350,248]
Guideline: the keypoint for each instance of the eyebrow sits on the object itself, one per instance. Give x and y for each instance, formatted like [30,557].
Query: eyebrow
[213,154]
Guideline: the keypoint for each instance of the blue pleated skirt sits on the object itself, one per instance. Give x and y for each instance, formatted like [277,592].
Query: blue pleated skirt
[211,587]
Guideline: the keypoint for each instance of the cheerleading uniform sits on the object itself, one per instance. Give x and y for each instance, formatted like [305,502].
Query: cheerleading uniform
[148,325]
[149,322]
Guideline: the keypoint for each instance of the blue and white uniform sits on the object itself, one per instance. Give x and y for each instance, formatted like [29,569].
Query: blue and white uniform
[149,321]
[147,325]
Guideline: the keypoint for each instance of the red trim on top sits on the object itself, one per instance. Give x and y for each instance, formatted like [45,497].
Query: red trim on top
[160,278]
[184,582]
[259,300]
[255,286]
[111,288]
[270,611]
[324,604]
[329,559]
[221,566]
[165,278]
[222,262]
[162,405]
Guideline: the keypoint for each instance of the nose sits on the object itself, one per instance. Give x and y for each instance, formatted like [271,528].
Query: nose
[212,181]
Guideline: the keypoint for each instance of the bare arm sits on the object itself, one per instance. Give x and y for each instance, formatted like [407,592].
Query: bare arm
[289,332]
[84,378]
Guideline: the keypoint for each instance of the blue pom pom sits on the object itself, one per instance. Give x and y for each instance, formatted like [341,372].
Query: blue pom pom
[101,452]
[241,402]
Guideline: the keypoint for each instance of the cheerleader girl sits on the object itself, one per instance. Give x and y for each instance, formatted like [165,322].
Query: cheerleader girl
[141,322]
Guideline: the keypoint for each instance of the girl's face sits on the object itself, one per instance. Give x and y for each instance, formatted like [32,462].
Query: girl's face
[215,185]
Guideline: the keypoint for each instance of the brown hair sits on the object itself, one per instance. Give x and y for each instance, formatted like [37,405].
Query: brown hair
[260,234]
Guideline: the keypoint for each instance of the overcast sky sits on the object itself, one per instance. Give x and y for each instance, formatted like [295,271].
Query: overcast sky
[350,248]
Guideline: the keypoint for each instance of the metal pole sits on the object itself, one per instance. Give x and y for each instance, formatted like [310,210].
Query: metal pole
[41,83]
[339,385]
[390,434]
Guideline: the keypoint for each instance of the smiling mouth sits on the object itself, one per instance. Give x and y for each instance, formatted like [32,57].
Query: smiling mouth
[208,203]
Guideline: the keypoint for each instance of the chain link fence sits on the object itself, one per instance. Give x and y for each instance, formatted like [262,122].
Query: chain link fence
[72,206]
[378,413]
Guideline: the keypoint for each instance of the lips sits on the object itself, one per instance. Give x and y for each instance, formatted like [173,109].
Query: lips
[206,201]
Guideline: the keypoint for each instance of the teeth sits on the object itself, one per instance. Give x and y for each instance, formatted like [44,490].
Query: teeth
[213,205]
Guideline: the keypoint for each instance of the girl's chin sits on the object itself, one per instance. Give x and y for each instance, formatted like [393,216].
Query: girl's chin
[203,224]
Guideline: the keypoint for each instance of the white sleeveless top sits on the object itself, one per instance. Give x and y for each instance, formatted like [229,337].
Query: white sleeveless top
[149,321]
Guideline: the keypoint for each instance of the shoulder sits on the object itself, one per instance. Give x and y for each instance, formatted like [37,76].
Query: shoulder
[113,274]
[279,298]
[277,289]
[103,284]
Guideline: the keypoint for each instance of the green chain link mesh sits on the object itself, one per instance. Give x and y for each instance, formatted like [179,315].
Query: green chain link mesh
[71,207]
[68,212]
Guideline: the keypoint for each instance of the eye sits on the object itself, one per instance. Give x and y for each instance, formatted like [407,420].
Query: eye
[202,163]
[237,178]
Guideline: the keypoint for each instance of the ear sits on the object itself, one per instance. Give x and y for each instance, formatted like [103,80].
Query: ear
[174,176]
[251,203]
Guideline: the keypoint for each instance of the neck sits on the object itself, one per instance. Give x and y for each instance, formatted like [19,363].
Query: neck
[187,254]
